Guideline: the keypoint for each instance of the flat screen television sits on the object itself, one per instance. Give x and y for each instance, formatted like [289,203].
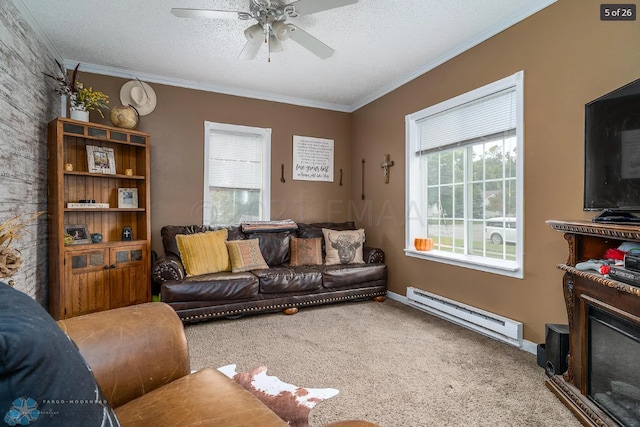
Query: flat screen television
[612,155]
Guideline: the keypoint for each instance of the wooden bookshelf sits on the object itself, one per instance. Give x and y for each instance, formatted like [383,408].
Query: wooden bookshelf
[89,277]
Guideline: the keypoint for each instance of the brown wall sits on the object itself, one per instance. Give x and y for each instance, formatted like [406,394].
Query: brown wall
[177,148]
[569,57]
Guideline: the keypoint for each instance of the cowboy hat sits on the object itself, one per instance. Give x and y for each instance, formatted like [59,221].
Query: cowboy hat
[139,95]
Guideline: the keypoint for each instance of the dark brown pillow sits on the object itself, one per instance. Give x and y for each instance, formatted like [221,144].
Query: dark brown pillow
[306,251]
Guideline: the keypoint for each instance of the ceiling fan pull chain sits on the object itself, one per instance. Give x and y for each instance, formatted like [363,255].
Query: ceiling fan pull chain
[267,40]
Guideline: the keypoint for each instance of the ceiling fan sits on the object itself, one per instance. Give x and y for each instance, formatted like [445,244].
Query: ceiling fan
[272,27]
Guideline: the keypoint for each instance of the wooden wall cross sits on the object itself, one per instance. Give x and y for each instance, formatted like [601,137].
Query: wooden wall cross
[386,165]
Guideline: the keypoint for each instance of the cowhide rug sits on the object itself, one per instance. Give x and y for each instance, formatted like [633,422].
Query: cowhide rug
[290,402]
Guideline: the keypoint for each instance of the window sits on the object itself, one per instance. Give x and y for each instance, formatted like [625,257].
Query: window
[465,179]
[237,174]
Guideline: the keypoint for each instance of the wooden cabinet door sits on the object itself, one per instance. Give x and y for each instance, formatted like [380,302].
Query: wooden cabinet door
[129,279]
[86,287]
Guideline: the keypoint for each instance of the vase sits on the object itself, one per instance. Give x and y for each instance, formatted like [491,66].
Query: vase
[81,115]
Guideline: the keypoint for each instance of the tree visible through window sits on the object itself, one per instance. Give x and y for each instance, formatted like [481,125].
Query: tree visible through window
[465,178]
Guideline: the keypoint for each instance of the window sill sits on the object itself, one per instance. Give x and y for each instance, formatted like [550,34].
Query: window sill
[503,268]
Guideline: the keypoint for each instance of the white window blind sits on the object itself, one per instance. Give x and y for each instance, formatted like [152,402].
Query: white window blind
[235,160]
[480,118]
[237,170]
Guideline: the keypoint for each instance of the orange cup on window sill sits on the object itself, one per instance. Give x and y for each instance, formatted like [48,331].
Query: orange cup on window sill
[423,244]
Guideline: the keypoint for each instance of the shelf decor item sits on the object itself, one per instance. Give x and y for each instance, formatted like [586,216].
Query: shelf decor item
[79,233]
[79,114]
[81,99]
[101,160]
[124,116]
[127,198]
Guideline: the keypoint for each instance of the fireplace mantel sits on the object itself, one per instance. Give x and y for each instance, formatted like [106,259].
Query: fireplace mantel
[584,290]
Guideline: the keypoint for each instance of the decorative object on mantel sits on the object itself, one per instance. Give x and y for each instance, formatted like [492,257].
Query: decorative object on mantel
[10,230]
[81,99]
[139,95]
[386,165]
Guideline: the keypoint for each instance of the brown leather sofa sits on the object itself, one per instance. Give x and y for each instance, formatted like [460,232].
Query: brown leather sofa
[140,360]
[282,287]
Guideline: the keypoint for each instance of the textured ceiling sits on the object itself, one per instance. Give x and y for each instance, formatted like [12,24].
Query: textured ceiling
[379,44]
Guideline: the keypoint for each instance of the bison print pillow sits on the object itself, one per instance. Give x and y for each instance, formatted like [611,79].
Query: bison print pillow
[343,247]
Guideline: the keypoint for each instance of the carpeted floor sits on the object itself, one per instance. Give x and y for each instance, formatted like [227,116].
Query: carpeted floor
[393,365]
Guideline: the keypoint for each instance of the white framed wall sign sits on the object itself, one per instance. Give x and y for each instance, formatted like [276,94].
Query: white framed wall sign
[312,159]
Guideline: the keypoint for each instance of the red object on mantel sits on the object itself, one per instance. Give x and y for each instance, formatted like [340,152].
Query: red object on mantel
[605,269]
[614,253]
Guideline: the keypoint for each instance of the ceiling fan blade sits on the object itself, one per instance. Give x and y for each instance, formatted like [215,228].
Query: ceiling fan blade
[307,7]
[204,13]
[250,50]
[309,42]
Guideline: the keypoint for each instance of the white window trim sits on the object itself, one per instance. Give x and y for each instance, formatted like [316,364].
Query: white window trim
[503,267]
[265,202]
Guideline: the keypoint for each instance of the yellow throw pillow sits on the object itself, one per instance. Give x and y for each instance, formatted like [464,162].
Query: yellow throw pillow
[203,253]
[245,255]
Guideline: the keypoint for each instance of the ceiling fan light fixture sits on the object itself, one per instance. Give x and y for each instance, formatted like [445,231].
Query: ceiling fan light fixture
[280,30]
[254,34]
[275,45]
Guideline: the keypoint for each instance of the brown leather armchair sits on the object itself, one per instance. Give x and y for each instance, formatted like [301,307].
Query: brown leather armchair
[140,359]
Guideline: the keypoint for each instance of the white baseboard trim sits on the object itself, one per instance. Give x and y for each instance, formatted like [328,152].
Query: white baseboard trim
[528,346]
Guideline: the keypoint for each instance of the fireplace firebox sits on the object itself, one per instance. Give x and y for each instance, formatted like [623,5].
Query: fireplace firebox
[602,382]
[613,377]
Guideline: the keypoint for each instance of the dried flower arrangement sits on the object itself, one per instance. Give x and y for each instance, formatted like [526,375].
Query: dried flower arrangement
[80,97]
[10,230]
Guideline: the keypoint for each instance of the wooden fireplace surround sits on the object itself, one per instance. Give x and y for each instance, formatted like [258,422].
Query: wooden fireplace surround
[582,289]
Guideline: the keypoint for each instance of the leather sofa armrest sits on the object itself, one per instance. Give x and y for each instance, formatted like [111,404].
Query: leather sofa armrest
[167,267]
[373,255]
[131,350]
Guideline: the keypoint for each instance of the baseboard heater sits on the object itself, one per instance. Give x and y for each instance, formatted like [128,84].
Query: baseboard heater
[484,322]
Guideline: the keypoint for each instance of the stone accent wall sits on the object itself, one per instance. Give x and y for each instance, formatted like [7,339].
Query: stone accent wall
[27,104]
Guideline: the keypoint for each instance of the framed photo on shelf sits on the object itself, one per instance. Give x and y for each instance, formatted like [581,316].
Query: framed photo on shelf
[127,198]
[78,232]
[101,160]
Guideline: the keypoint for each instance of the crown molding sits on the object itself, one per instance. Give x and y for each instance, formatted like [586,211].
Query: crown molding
[153,78]
[498,28]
